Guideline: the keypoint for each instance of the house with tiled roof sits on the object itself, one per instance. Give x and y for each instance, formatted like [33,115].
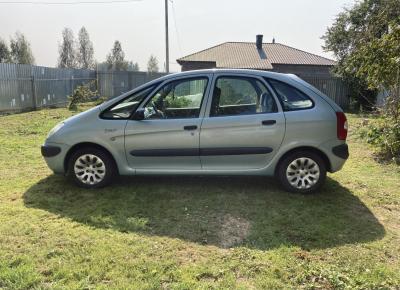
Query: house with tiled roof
[258,55]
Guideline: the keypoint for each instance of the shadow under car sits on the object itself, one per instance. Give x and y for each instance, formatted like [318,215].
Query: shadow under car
[226,212]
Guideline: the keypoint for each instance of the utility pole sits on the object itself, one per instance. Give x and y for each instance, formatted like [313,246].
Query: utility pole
[166,38]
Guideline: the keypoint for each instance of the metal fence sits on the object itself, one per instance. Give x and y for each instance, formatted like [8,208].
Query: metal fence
[114,83]
[26,87]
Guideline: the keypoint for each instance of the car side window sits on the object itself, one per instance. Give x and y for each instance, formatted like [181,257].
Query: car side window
[291,98]
[241,96]
[177,100]
[125,108]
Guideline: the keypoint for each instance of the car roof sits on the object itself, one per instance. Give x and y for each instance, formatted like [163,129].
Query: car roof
[252,72]
[242,71]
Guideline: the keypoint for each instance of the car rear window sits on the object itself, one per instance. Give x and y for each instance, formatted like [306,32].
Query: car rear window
[291,98]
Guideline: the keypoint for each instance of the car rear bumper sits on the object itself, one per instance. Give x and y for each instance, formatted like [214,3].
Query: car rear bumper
[337,152]
[341,151]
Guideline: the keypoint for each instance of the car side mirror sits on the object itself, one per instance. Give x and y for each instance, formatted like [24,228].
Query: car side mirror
[138,115]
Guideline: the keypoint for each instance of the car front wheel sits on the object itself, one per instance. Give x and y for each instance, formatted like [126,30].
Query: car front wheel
[302,172]
[91,168]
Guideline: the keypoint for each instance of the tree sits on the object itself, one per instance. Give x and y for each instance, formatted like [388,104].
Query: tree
[133,66]
[357,30]
[67,53]
[366,41]
[353,31]
[378,61]
[4,52]
[152,64]
[21,50]
[116,58]
[85,51]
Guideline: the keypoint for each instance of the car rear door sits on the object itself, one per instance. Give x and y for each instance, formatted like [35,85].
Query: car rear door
[244,124]
[168,137]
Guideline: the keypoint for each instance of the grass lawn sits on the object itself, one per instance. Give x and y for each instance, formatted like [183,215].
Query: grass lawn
[192,232]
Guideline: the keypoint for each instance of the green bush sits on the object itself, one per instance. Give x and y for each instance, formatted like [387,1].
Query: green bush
[385,136]
[384,132]
[177,102]
[81,94]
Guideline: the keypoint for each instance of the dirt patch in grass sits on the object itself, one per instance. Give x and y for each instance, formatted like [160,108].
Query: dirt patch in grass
[234,231]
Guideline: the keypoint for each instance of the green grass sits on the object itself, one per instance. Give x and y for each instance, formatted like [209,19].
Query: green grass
[192,232]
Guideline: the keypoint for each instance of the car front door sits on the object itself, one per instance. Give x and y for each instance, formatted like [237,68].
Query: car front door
[168,136]
[244,125]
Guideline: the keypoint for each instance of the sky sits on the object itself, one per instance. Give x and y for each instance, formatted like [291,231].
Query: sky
[194,25]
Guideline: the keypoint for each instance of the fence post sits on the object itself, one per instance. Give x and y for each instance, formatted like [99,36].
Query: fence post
[97,79]
[33,84]
[130,76]
[112,84]
[72,85]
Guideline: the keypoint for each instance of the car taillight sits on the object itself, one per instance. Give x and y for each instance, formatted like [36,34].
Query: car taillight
[341,125]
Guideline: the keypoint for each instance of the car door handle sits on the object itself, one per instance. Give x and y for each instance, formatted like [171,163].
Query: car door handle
[190,128]
[268,122]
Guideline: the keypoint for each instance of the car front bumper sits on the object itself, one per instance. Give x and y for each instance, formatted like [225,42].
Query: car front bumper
[54,155]
[50,150]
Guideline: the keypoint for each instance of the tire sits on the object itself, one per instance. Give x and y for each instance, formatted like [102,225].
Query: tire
[96,164]
[302,172]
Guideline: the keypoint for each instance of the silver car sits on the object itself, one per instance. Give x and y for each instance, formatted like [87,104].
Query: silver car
[207,122]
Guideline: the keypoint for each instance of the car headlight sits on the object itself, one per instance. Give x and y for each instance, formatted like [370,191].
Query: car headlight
[55,129]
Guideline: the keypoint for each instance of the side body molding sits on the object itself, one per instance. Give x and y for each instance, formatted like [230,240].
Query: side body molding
[201,152]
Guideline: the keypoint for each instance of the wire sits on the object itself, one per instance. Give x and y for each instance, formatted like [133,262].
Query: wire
[176,27]
[69,3]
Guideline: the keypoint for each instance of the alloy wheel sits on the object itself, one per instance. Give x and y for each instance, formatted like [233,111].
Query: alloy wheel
[303,173]
[89,169]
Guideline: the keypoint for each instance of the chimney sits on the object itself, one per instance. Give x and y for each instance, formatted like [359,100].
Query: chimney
[259,41]
[273,40]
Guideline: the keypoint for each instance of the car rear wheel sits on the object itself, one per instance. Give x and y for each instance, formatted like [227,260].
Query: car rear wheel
[91,168]
[302,172]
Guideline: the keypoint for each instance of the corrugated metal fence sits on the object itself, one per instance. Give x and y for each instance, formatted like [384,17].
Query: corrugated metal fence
[114,83]
[333,87]
[26,87]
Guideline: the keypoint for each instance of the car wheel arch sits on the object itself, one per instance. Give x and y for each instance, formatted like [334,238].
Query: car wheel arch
[309,149]
[86,145]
